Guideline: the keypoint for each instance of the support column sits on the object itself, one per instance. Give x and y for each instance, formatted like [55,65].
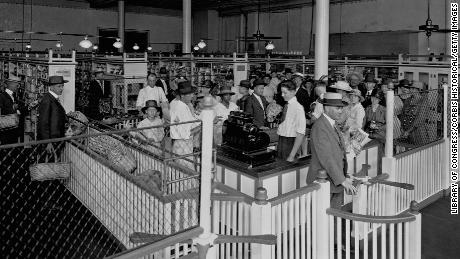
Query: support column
[239,43]
[186,26]
[321,38]
[121,23]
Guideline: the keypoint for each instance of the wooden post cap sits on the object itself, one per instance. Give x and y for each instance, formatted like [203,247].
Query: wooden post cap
[414,206]
[322,176]
[261,196]
[208,102]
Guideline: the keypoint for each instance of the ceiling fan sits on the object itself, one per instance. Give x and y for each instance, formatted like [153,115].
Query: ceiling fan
[258,36]
[429,27]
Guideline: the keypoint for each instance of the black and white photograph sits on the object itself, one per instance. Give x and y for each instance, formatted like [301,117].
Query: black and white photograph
[229,129]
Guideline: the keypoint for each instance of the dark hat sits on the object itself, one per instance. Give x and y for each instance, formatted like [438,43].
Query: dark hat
[333,99]
[185,87]
[378,94]
[226,90]
[404,83]
[163,70]
[259,82]
[386,81]
[287,70]
[370,78]
[54,80]
[151,104]
[245,83]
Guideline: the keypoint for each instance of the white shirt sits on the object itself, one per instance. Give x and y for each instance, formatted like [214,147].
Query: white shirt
[180,112]
[54,94]
[295,121]
[319,109]
[356,117]
[157,134]
[10,93]
[260,101]
[150,93]
[223,111]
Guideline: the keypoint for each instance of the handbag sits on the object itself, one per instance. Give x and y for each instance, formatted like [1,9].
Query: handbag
[50,171]
[9,121]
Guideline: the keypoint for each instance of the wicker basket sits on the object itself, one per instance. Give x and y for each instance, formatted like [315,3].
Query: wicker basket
[9,121]
[115,152]
[50,171]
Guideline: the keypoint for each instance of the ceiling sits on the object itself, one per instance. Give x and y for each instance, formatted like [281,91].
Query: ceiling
[220,5]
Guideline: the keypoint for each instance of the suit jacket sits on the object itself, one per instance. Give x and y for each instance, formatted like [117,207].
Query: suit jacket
[242,102]
[253,107]
[52,118]
[304,99]
[327,154]
[170,94]
[7,107]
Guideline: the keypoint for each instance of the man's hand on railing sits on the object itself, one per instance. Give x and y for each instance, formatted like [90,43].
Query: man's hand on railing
[348,185]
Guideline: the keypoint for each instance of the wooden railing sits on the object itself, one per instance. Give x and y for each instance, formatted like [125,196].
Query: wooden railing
[406,227]
[423,167]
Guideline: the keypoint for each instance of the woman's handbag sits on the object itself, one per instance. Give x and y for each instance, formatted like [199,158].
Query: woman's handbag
[50,171]
[9,121]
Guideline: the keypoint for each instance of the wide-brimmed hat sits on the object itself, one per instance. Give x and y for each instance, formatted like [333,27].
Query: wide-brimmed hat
[259,82]
[163,70]
[55,80]
[13,79]
[245,83]
[226,90]
[298,74]
[359,75]
[333,99]
[370,78]
[185,87]
[151,104]
[404,83]
[342,85]
[357,92]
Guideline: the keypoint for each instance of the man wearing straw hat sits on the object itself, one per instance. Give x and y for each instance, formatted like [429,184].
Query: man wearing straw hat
[9,105]
[328,149]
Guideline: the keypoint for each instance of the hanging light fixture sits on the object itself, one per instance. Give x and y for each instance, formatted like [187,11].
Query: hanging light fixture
[149,48]
[95,47]
[135,47]
[28,46]
[196,48]
[86,44]
[201,44]
[117,44]
[59,44]
[270,46]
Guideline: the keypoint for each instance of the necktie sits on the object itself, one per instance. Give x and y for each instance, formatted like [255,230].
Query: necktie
[339,134]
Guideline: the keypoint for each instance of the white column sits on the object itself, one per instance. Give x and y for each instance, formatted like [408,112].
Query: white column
[261,223]
[388,160]
[321,38]
[121,23]
[390,103]
[239,43]
[186,26]
[446,165]
[206,240]
[323,202]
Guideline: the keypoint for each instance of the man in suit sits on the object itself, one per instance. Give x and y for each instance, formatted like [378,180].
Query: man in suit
[366,92]
[328,149]
[9,105]
[163,83]
[256,104]
[96,93]
[52,117]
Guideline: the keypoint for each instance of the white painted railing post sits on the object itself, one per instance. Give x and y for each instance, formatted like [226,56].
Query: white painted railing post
[206,240]
[415,232]
[261,220]
[388,161]
[445,177]
[323,202]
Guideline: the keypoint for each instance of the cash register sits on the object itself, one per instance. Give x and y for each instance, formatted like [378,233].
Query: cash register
[242,140]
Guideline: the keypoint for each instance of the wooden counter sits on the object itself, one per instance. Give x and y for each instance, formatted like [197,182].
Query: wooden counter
[281,176]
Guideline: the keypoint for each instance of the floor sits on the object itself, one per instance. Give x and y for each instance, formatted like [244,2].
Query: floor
[440,231]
